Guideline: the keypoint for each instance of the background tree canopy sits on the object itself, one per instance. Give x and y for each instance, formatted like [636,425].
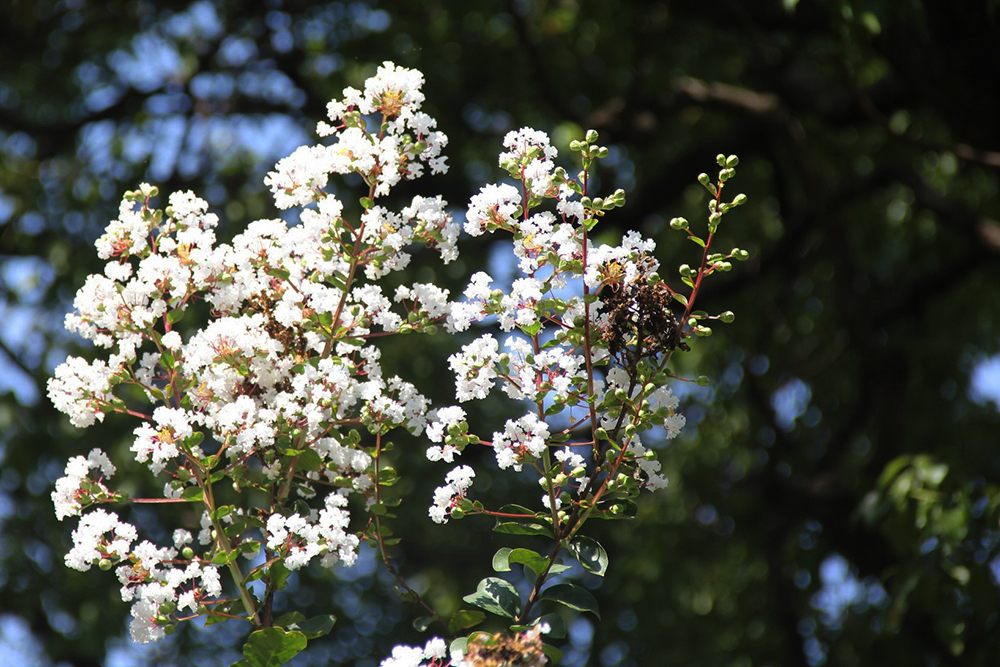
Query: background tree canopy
[834,497]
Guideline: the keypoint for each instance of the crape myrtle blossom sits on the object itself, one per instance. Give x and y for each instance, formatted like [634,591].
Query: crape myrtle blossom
[494,205]
[435,652]
[473,368]
[441,423]
[662,403]
[458,483]
[521,440]
[260,362]
[77,487]
[281,372]
[553,372]
[299,539]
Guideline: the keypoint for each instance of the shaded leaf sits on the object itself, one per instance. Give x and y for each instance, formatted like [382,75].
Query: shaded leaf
[572,596]
[496,596]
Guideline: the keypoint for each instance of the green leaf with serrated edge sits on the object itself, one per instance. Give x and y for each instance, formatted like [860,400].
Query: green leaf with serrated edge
[591,555]
[315,627]
[535,561]
[557,626]
[500,561]
[496,596]
[465,618]
[272,647]
[572,596]
[511,528]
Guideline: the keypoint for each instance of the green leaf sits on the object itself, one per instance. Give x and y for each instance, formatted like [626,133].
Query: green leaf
[500,560]
[366,202]
[535,561]
[496,596]
[278,573]
[272,647]
[555,655]
[458,645]
[572,596]
[557,626]
[421,624]
[175,315]
[465,618]
[517,509]
[315,627]
[309,459]
[512,528]
[192,494]
[591,555]
[289,619]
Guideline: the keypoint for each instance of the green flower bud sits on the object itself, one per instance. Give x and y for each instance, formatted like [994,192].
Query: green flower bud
[187,553]
[591,136]
[732,161]
[721,159]
[704,179]
[702,381]
[575,145]
[105,564]
[679,224]
[727,316]
[740,200]
[457,513]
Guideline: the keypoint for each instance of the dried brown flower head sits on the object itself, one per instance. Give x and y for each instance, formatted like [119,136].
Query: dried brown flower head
[520,650]
[639,315]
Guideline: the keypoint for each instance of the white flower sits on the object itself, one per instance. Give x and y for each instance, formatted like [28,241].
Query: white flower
[522,439]
[494,203]
[473,368]
[458,482]
[68,493]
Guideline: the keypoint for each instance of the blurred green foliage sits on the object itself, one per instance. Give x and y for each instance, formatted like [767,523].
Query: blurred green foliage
[834,497]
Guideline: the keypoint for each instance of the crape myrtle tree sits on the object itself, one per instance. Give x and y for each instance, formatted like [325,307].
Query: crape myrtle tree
[832,497]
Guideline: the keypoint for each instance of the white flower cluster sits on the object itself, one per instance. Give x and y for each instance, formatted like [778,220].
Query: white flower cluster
[458,481]
[435,652]
[407,142]
[544,362]
[282,370]
[298,539]
[76,487]
[662,404]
